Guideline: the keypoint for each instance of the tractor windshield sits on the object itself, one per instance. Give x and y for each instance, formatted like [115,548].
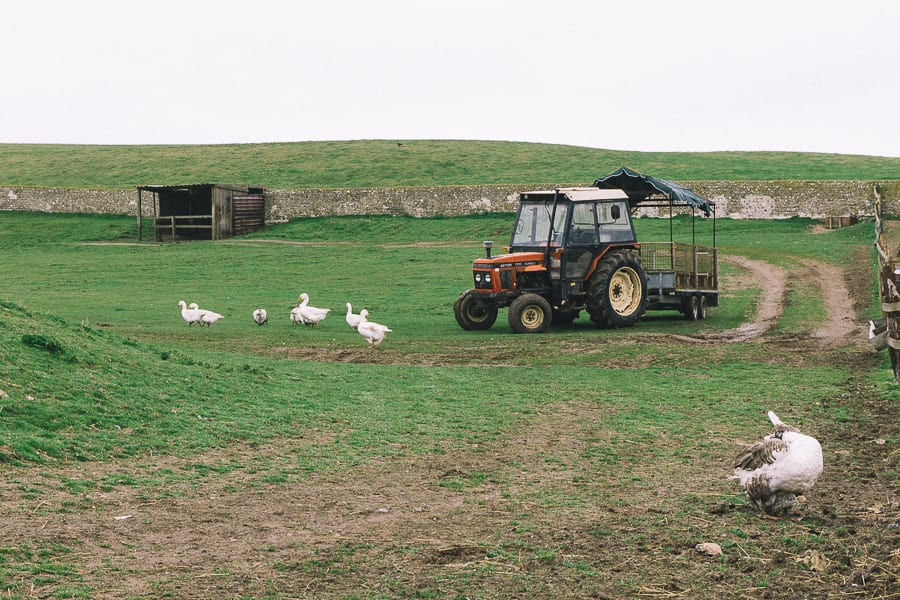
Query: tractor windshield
[533,223]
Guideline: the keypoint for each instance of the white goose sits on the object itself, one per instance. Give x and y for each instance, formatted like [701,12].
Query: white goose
[373,332]
[207,317]
[191,315]
[353,320]
[296,317]
[878,334]
[260,316]
[774,471]
[311,315]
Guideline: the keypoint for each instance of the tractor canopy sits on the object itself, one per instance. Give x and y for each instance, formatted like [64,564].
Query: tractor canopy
[644,188]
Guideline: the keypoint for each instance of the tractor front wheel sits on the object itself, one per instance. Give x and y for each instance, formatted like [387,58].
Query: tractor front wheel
[474,313]
[530,313]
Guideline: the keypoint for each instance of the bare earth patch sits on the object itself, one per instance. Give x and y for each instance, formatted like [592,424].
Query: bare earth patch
[467,523]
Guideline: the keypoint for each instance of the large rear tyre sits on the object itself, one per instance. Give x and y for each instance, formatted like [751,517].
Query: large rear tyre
[474,313]
[530,313]
[617,291]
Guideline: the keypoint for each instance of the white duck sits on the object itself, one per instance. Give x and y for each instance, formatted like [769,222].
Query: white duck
[774,471]
[311,315]
[878,334]
[296,317]
[207,317]
[191,315]
[353,320]
[373,332]
[260,316]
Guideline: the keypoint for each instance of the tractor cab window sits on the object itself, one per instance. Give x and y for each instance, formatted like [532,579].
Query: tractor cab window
[583,230]
[614,223]
[533,227]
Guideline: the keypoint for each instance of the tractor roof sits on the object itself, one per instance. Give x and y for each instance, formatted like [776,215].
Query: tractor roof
[579,194]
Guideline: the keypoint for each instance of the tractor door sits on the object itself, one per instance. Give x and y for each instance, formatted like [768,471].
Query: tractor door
[582,241]
[593,227]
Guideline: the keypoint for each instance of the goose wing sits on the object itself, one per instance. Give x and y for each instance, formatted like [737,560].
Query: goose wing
[760,454]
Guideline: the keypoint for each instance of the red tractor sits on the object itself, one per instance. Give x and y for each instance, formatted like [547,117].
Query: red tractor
[575,249]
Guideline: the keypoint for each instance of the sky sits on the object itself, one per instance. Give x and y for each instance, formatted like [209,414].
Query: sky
[644,75]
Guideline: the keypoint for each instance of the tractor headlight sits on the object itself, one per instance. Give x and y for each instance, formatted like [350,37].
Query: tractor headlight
[483,279]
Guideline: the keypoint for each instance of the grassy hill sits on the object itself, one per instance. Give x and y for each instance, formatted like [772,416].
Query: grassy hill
[391,163]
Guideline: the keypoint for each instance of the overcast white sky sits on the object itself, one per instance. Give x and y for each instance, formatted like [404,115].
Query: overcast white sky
[648,75]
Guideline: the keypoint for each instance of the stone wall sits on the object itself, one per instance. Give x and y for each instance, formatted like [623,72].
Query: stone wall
[64,200]
[734,199]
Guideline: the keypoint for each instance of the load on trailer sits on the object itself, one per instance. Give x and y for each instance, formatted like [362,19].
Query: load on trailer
[575,249]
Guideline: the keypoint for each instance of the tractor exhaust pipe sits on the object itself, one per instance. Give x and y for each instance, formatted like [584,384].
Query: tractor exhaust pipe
[488,244]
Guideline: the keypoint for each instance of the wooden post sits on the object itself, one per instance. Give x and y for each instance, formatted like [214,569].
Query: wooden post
[140,224]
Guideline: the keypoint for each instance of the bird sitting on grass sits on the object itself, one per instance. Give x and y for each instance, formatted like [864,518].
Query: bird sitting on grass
[774,471]
[260,317]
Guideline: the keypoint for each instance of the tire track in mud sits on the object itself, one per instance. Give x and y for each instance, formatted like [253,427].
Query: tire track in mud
[772,284]
[838,324]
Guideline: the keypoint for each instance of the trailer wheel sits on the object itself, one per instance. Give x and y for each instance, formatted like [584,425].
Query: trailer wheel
[702,309]
[530,313]
[474,313]
[691,308]
[617,291]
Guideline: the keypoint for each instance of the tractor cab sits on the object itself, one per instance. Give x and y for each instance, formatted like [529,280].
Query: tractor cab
[577,222]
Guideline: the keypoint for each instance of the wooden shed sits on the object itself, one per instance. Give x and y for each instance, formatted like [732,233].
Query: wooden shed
[203,211]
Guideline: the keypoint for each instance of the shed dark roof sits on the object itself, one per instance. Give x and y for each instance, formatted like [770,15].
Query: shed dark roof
[198,186]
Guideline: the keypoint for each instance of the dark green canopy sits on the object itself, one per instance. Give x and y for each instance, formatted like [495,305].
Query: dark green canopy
[640,187]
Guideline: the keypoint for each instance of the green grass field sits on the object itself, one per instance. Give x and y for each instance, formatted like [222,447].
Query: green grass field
[106,315]
[98,367]
[392,163]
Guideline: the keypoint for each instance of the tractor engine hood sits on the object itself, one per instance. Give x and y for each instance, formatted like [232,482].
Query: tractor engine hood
[496,274]
[506,261]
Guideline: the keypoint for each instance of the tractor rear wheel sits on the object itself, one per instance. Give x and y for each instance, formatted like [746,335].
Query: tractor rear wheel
[530,313]
[617,291]
[474,313]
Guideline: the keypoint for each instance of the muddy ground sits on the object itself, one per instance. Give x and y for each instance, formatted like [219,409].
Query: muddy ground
[418,526]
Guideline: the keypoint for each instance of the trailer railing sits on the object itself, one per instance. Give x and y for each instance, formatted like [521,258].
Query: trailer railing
[695,267]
